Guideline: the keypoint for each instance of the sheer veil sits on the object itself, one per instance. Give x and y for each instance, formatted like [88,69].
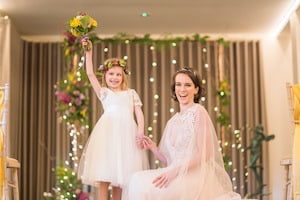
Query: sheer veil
[190,146]
[202,174]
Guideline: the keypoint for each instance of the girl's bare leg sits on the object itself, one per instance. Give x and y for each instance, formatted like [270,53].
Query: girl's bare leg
[116,193]
[103,190]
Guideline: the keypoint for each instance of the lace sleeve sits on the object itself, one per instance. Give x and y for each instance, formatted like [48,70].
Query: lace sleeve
[102,93]
[136,99]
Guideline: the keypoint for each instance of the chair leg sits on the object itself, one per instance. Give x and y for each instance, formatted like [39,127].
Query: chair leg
[16,184]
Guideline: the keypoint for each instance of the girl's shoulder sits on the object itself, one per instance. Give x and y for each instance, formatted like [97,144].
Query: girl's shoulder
[131,89]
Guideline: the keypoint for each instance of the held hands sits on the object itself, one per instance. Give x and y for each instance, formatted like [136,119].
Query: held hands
[163,180]
[147,143]
[144,142]
[139,140]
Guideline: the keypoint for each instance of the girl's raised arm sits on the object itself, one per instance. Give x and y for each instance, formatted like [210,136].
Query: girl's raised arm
[89,67]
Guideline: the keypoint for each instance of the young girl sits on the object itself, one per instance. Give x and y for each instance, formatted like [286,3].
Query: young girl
[112,154]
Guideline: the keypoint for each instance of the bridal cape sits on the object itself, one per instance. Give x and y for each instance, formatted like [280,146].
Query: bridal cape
[190,143]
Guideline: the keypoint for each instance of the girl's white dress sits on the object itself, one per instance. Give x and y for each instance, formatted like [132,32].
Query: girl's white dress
[189,143]
[111,153]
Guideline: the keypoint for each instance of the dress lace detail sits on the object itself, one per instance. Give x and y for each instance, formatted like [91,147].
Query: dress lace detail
[136,99]
[189,142]
[102,93]
[184,138]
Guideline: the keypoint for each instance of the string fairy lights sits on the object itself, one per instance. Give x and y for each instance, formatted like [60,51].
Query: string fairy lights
[231,140]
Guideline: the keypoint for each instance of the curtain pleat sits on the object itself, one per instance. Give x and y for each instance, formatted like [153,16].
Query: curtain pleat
[45,141]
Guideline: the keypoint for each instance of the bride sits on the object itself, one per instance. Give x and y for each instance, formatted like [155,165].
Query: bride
[193,165]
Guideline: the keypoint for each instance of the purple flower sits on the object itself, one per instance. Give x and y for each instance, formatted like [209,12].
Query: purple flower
[101,67]
[71,39]
[78,101]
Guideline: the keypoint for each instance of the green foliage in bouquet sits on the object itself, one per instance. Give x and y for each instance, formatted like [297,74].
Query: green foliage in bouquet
[72,45]
[81,25]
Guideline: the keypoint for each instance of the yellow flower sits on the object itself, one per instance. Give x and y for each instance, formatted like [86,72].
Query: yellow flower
[83,112]
[224,85]
[67,52]
[75,33]
[94,23]
[71,77]
[122,63]
[75,22]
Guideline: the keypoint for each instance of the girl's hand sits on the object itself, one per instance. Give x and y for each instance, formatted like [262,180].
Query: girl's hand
[139,141]
[86,44]
[147,143]
[163,180]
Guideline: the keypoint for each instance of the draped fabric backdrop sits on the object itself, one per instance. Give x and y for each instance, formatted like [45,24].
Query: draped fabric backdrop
[44,142]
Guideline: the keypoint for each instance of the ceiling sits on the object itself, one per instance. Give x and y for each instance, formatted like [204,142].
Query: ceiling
[218,17]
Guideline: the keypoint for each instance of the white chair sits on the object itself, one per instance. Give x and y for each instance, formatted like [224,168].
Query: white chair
[8,166]
[289,192]
[287,187]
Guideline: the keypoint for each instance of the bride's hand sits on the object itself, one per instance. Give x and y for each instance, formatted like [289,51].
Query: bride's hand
[163,180]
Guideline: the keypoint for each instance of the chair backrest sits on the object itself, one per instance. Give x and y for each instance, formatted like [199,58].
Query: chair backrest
[3,125]
[3,106]
[291,95]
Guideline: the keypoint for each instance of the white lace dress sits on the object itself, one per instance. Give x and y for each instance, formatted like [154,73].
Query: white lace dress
[111,153]
[188,138]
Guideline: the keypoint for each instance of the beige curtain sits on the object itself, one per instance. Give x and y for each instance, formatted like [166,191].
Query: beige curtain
[5,31]
[42,142]
[36,133]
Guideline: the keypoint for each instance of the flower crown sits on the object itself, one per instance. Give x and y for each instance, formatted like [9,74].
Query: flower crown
[114,62]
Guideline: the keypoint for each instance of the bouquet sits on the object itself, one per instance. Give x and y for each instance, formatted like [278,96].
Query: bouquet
[81,25]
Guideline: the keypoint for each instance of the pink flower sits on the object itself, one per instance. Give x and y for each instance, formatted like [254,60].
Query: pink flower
[82,96]
[78,101]
[83,196]
[64,97]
